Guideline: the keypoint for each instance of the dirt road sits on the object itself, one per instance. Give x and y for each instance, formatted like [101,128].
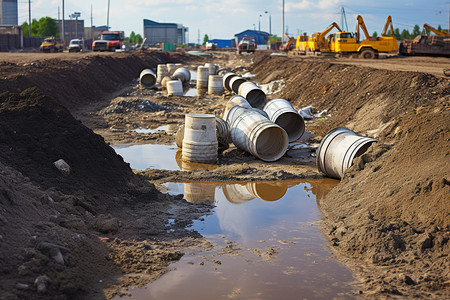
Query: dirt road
[388,219]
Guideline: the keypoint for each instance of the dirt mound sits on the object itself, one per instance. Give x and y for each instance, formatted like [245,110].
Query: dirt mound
[392,207]
[39,132]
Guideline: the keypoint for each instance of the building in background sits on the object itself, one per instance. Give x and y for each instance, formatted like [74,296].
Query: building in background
[9,12]
[221,43]
[262,37]
[74,29]
[171,33]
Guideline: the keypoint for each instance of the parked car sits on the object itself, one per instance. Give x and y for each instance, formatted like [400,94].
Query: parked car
[76,45]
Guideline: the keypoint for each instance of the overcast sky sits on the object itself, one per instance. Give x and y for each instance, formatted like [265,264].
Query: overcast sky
[224,18]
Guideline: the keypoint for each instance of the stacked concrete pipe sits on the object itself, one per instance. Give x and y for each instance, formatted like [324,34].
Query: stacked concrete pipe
[281,112]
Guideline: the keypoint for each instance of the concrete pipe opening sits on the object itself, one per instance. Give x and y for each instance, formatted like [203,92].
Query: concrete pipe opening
[281,112]
[236,82]
[147,79]
[338,149]
[271,143]
[226,80]
[254,95]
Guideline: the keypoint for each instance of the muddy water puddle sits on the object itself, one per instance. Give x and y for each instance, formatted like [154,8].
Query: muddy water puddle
[141,157]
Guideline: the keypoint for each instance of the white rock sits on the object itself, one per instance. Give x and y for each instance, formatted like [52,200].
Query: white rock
[62,166]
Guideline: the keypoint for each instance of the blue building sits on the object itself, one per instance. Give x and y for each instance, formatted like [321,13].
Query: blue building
[222,43]
[261,36]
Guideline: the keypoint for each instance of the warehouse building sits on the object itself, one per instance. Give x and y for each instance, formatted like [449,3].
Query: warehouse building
[261,37]
[172,33]
[9,12]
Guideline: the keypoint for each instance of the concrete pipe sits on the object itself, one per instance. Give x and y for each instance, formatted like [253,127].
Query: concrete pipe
[282,113]
[183,74]
[200,139]
[254,95]
[223,71]
[215,85]
[223,132]
[226,80]
[161,72]
[202,77]
[251,132]
[338,149]
[164,81]
[236,82]
[171,68]
[212,68]
[174,88]
[147,79]
[235,100]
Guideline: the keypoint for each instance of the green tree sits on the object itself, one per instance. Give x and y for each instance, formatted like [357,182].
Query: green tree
[274,39]
[138,39]
[375,34]
[416,31]
[205,39]
[47,27]
[132,37]
[439,27]
[405,34]
[26,29]
[34,27]
[397,33]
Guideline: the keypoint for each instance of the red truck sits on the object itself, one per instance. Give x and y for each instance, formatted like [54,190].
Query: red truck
[109,41]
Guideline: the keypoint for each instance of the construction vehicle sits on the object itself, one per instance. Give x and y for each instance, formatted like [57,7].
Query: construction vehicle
[109,41]
[349,43]
[438,44]
[289,44]
[247,44]
[316,41]
[51,44]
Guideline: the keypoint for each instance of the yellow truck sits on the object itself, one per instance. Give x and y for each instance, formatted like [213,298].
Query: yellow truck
[51,44]
[349,43]
[316,41]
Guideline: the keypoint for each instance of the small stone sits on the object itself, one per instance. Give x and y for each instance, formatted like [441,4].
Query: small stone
[62,166]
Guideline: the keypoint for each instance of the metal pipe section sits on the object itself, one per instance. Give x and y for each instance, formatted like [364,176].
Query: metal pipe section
[338,149]
[215,85]
[235,100]
[147,79]
[281,112]
[202,77]
[252,132]
[254,95]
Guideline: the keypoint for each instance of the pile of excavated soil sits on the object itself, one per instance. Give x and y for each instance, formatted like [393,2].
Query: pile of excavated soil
[391,212]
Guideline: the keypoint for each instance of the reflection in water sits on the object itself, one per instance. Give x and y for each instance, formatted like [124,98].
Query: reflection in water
[199,192]
[141,157]
[169,129]
[264,249]
[189,166]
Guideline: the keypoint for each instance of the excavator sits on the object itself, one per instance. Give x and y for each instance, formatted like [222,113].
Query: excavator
[349,43]
[316,42]
[425,44]
[290,43]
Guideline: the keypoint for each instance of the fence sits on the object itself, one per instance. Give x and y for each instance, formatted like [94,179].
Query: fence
[10,42]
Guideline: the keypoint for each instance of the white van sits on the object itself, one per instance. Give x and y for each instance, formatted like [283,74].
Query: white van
[76,45]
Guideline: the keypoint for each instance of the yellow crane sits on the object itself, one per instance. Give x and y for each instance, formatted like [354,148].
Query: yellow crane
[316,42]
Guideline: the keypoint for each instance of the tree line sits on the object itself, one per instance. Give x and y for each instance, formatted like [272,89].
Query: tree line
[406,35]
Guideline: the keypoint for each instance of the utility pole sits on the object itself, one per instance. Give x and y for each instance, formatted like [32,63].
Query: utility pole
[343,20]
[29,17]
[282,32]
[62,24]
[92,37]
[107,20]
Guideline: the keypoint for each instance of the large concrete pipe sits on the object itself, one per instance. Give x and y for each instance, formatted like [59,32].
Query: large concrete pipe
[235,100]
[338,149]
[161,72]
[147,79]
[226,80]
[252,132]
[171,67]
[200,140]
[235,83]
[215,85]
[254,95]
[281,112]
[183,74]
[174,88]
[212,68]
[223,133]
[202,77]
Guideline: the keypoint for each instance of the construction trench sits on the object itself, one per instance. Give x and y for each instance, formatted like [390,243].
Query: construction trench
[150,225]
